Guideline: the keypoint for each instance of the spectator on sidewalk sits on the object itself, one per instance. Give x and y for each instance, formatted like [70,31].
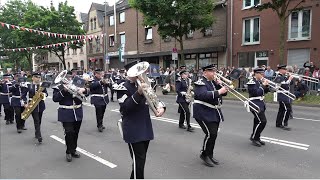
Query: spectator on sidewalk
[268,74]
[310,66]
[300,89]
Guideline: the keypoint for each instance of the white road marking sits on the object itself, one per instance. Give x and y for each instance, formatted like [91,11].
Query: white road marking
[286,143]
[306,119]
[97,158]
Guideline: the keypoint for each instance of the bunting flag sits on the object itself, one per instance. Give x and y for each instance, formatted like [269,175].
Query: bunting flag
[44,46]
[49,34]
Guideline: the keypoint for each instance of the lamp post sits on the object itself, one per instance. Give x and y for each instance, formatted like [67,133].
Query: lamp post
[106,59]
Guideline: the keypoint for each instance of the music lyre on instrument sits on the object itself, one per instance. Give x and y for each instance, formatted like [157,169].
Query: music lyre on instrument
[138,70]
[278,88]
[228,83]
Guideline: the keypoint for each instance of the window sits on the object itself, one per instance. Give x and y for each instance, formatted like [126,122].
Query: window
[148,33]
[190,34]
[250,3]
[298,57]
[90,46]
[123,38]
[251,31]
[207,32]
[98,45]
[81,50]
[300,25]
[122,17]
[75,65]
[246,59]
[91,24]
[111,20]
[111,40]
[68,51]
[95,23]
[74,51]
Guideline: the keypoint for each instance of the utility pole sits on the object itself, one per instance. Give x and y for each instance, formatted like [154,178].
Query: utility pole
[106,58]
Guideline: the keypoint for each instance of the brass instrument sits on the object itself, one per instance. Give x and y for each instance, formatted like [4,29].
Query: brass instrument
[278,88]
[228,83]
[305,78]
[39,95]
[189,93]
[69,86]
[138,70]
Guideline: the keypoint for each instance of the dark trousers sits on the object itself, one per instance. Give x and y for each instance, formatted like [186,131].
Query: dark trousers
[112,92]
[100,110]
[138,152]
[37,117]
[210,129]
[184,114]
[0,109]
[9,112]
[259,123]
[71,132]
[19,122]
[284,112]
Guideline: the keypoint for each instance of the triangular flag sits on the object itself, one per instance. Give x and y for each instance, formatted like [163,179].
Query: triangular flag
[8,26]
[2,24]
[48,34]
[55,35]
[18,27]
[12,26]
[23,29]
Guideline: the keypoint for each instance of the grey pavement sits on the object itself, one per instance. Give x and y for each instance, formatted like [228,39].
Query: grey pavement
[174,153]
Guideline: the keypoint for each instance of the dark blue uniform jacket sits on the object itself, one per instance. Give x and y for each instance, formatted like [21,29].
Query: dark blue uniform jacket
[99,93]
[256,90]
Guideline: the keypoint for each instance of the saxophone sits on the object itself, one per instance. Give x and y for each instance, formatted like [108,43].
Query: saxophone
[33,103]
[189,93]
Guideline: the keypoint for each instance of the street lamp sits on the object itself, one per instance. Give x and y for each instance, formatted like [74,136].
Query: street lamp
[105,37]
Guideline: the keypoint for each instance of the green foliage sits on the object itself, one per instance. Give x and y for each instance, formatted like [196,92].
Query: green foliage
[176,18]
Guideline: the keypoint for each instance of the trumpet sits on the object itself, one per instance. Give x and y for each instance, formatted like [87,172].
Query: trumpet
[277,87]
[305,78]
[228,83]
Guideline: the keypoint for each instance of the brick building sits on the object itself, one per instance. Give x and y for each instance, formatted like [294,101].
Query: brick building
[128,38]
[253,37]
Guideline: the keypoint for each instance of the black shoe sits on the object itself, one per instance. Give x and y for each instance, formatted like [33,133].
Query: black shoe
[182,127]
[261,142]
[251,139]
[40,139]
[11,122]
[100,129]
[68,157]
[24,128]
[215,161]
[206,160]
[19,131]
[286,128]
[75,155]
[255,143]
[190,129]
[103,127]
[7,122]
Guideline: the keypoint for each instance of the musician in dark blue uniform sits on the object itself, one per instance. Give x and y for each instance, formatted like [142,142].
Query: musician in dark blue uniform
[285,107]
[99,96]
[18,101]
[136,126]
[38,111]
[113,78]
[182,85]
[5,96]
[257,88]
[70,114]
[121,77]
[207,110]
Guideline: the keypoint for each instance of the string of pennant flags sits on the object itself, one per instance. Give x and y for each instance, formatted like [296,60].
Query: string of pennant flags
[43,46]
[50,34]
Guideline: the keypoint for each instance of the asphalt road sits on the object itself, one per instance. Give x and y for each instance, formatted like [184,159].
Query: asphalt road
[173,154]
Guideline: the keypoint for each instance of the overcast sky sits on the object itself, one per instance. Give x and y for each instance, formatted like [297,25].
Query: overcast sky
[79,5]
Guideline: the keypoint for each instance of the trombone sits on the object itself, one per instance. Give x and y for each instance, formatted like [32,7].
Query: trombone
[305,78]
[277,87]
[228,83]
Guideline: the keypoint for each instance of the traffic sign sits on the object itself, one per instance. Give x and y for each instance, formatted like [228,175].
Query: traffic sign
[174,54]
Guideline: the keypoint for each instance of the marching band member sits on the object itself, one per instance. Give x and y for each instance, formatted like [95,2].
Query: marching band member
[70,114]
[113,77]
[257,88]
[121,77]
[99,97]
[182,85]
[18,101]
[38,111]
[207,111]
[284,101]
[5,96]
[137,126]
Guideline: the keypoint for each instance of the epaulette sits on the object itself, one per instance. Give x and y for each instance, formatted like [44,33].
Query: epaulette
[120,87]
[251,82]
[199,82]
[178,79]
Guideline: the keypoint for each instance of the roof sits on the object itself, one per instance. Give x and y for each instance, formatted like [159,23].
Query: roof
[84,17]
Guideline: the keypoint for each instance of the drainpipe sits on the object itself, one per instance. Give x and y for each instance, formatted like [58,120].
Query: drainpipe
[231,33]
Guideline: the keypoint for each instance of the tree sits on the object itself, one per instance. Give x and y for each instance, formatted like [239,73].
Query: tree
[281,7]
[63,21]
[176,18]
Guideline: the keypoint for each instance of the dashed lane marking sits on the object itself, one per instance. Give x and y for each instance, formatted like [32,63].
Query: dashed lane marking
[95,157]
[305,119]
